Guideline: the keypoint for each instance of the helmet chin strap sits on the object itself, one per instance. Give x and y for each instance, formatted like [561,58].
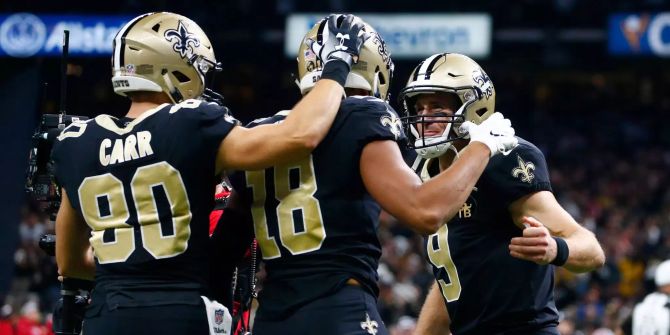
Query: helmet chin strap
[456,151]
[431,151]
[173,92]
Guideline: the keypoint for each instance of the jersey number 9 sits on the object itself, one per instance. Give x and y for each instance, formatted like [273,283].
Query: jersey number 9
[440,257]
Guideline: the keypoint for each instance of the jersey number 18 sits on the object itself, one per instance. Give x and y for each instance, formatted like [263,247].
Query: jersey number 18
[292,198]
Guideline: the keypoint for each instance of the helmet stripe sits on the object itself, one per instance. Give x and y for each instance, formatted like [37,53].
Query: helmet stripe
[431,63]
[120,43]
[416,70]
[319,32]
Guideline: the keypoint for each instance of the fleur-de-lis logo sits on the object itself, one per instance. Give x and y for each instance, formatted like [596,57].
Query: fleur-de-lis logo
[369,325]
[341,37]
[524,170]
[183,41]
[483,81]
[393,122]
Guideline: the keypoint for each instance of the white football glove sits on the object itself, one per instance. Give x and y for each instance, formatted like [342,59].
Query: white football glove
[341,42]
[496,132]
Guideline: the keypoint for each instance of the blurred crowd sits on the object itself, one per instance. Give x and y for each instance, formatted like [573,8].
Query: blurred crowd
[27,309]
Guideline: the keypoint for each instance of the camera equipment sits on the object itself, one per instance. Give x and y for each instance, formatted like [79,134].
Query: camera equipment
[40,184]
[69,311]
[39,177]
[48,244]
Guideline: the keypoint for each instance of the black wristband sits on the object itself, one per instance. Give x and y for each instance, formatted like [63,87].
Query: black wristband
[562,252]
[337,70]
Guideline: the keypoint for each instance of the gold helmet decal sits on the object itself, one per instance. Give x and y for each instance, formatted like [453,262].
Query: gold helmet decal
[162,52]
[372,72]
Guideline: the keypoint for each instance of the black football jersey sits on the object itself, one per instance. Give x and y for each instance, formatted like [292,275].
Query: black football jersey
[486,290]
[314,220]
[145,188]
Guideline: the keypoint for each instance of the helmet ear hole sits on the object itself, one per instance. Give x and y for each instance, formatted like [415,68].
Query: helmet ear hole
[481,111]
[156,27]
[181,77]
[382,79]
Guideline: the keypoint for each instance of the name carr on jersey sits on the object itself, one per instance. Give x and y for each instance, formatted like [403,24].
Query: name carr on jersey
[134,146]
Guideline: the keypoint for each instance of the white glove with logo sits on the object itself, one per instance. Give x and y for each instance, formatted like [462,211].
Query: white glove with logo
[341,41]
[496,132]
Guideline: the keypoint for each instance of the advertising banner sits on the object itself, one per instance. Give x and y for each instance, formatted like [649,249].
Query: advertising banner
[411,36]
[27,35]
[639,34]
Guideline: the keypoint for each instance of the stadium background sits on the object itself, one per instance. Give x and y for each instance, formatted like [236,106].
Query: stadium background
[585,80]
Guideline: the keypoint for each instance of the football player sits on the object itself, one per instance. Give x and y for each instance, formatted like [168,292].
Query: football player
[139,189]
[494,261]
[316,218]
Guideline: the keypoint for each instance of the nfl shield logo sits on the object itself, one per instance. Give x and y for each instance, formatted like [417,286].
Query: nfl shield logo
[218,316]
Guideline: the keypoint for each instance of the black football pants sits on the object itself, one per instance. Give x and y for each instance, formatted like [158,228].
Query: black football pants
[163,320]
[349,311]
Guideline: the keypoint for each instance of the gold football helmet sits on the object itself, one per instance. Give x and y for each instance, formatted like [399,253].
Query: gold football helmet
[372,72]
[449,73]
[162,52]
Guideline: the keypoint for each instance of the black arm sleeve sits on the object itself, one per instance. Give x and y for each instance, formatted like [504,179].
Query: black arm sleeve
[228,245]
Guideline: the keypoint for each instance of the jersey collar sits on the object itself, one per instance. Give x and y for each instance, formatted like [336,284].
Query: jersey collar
[107,122]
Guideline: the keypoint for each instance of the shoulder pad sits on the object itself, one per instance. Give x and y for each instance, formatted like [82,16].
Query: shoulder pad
[373,119]
[364,102]
[522,172]
[203,109]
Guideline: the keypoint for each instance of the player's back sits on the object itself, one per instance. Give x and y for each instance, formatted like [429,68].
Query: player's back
[487,291]
[314,220]
[145,188]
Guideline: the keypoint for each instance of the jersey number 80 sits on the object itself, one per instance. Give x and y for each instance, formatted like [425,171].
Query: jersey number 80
[143,185]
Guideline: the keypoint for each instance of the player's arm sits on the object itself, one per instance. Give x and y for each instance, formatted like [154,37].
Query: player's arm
[294,138]
[309,121]
[434,317]
[426,206]
[73,250]
[422,206]
[545,218]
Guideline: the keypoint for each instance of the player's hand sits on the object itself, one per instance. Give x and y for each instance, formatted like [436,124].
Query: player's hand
[341,41]
[210,95]
[536,244]
[496,132]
